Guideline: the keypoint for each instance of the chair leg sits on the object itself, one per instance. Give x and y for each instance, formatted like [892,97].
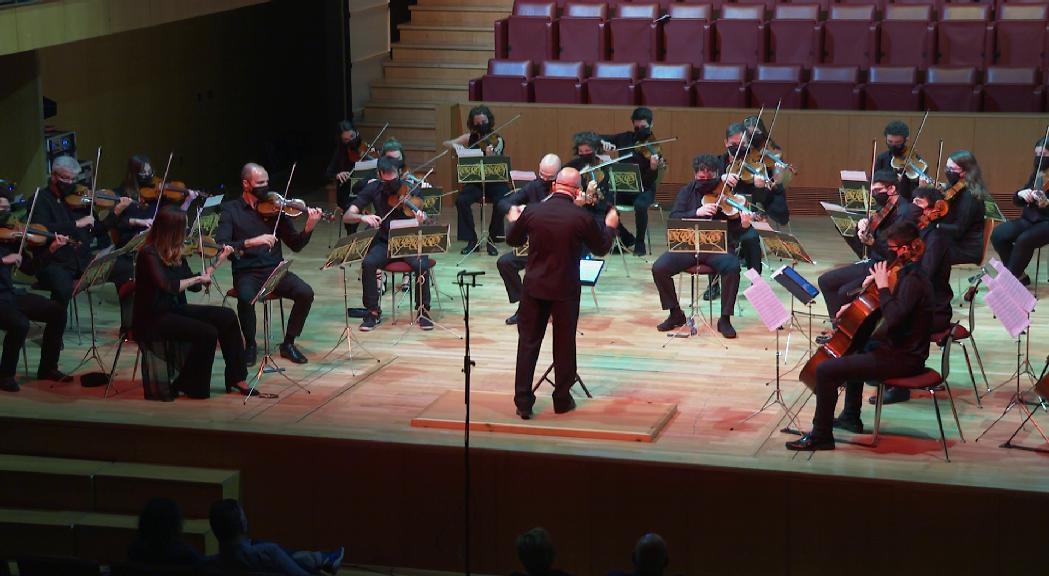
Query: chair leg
[972,376]
[134,369]
[283,328]
[954,410]
[939,421]
[25,360]
[979,362]
[593,293]
[877,414]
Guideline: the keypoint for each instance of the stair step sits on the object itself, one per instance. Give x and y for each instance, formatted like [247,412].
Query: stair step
[457,15]
[507,5]
[399,112]
[400,131]
[447,34]
[418,92]
[38,483]
[460,73]
[106,537]
[447,53]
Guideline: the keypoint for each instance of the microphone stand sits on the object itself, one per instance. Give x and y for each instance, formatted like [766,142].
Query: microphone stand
[466,280]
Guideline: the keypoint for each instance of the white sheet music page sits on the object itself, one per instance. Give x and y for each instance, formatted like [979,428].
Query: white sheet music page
[464,152]
[764,300]
[1013,318]
[1006,283]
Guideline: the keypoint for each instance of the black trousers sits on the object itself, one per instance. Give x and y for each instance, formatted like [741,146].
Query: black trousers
[15,314]
[750,249]
[672,263]
[532,317]
[510,267]
[641,203]
[59,281]
[1016,240]
[377,257]
[248,283]
[471,194]
[837,283]
[201,327]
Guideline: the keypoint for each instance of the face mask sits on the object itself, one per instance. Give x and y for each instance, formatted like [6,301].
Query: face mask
[898,150]
[705,185]
[5,216]
[642,132]
[1041,162]
[261,192]
[484,128]
[392,185]
[588,158]
[733,150]
[546,184]
[146,180]
[952,177]
[882,198]
[66,188]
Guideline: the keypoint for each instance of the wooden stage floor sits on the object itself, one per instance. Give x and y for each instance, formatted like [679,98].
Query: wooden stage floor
[713,382]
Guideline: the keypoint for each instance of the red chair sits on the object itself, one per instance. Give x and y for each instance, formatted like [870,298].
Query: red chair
[583,32]
[506,81]
[850,36]
[773,82]
[935,5]
[530,33]
[892,88]
[740,35]
[951,90]
[1020,35]
[963,36]
[906,37]
[667,85]
[795,35]
[716,4]
[766,5]
[722,86]
[1012,90]
[635,33]
[686,36]
[834,88]
[878,4]
[613,83]
[560,82]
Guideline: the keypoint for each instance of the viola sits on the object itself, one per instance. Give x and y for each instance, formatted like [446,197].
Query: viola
[938,210]
[727,200]
[192,246]
[37,234]
[81,198]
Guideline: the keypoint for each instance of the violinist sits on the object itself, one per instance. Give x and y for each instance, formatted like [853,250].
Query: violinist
[348,151]
[906,311]
[479,123]
[387,197]
[649,164]
[17,309]
[258,252]
[749,241]
[596,182]
[896,135]
[957,237]
[689,204]
[1016,240]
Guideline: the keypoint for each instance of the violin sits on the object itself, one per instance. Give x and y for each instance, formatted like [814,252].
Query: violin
[938,210]
[912,165]
[730,203]
[487,142]
[275,204]
[36,236]
[410,204]
[81,198]
[192,246]
[174,191]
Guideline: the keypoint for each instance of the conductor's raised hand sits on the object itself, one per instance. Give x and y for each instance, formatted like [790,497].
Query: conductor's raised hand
[612,218]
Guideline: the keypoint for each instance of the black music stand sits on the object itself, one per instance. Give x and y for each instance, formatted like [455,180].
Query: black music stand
[696,236]
[418,241]
[347,250]
[206,222]
[268,364]
[786,246]
[132,245]
[482,170]
[96,273]
[623,178]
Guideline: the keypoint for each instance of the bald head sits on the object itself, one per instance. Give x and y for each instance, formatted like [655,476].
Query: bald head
[549,166]
[567,182]
[253,176]
[650,555]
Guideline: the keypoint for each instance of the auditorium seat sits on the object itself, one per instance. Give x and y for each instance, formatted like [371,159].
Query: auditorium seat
[795,35]
[722,86]
[906,37]
[951,90]
[935,5]
[777,83]
[560,82]
[834,88]
[879,5]
[963,36]
[850,36]
[1020,35]
[613,83]
[635,33]
[530,33]
[715,4]
[667,85]
[1011,90]
[583,32]
[892,88]
[506,81]
[686,35]
[766,5]
[740,35]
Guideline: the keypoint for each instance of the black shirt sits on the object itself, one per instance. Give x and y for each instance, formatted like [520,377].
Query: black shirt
[689,200]
[1031,212]
[904,186]
[376,195]
[239,222]
[600,207]
[58,217]
[964,221]
[907,313]
[773,201]
[531,192]
[138,210]
[626,139]
[156,289]
[904,212]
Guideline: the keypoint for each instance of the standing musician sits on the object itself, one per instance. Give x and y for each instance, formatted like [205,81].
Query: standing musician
[906,310]
[896,135]
[649,163]
[556,231]
[1016,240]
[479,123]
[386,199]
[17,309]
[258,252]
[510,264]
[689,204]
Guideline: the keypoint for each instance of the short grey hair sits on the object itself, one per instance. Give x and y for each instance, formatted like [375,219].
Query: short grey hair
[66,164]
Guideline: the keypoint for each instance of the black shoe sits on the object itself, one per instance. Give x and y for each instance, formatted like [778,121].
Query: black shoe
[1025,280]
[53,375]
[512,319]
[371,320]
[892,396]
[808,443]
[251,355]
[492,250]
[525,414]
[291,352]
[243,389]
[639,249]
[469,247]
[849,423]
[565,408]
[425,323]
[675,320]
[822,339]
[725,327]
[713,292]
[9,384]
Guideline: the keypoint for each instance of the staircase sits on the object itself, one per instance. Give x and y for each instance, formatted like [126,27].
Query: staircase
[443,46]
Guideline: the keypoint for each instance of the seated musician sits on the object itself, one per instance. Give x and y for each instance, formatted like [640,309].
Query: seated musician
[768,190]
[649,168]
[585,146]
[348,150]
[510,264]
[896,134]
[1016,240]
[957,237]
[689,204]
[17,309]
[906,310]
[257,252]
[479,123]
[382,198]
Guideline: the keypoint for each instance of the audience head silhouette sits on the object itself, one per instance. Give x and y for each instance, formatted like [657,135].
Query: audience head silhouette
[536,551]
[227,520]
[650,555]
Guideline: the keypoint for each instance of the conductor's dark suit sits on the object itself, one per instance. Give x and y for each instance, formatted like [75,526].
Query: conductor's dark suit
[556,231]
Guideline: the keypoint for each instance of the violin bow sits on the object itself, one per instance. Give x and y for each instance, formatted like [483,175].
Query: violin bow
[29,220]
[371,145]
[735,157]
[643,144]
[163,184]
[283,199]
[494,132]
[939,159]
[870,189]
[408,195]
[768,137]
[1041,158]
[914,145]
[94,179]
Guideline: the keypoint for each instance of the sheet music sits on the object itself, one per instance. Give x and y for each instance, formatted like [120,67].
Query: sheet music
[1007,284]
[1013,319]
[854,176]
[212,202]
[522,175]
[364,165]
[403,223]
[464,152]
[764,300]
[759,225]
[832,208]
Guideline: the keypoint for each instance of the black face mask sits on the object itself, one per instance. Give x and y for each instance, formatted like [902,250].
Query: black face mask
[392,185]
[706,185]
[5,216]
[354,144]
[1041,162]
[882,198]
[898,150]
[144,180]
[65,188]
[588,158]
[642,132]
[952,177]
[733,151]
[546,184]
[261,192]
[483,128]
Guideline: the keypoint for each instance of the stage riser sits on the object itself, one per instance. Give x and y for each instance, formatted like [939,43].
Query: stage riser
[457,16]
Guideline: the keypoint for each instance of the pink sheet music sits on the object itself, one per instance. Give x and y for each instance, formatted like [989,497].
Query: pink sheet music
[1013,318]
[1010,287]
[764,300]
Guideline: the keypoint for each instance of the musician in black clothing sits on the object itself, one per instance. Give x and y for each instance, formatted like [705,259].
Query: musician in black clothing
[1016,240]
[510,264]
[896,134]
[596,201]
[749,241]
[689,204]
[958,236]
[257,251]
[649,169]
[767,190]
[906,311]
[348,150]
[480,124]
[556,232]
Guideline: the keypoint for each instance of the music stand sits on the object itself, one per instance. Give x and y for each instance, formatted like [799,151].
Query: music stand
[854,192]
[431,201]
[696,236]
[96,273]
[1041,387]
[786,246]
[623,178]
[268,364]
[482,170]
[347,250]
[418,241]
[846,223]
[206,222]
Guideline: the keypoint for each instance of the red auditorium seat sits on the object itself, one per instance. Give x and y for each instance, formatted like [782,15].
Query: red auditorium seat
[795,34]
[716,4]
[775,82]
[1020,35]
[635,33]
[583,32]
[834,88]
[963,36]
[878,4]
[1012,90]
[560,82]
[722,86]
[667,85]
[906,37]
[506,81]
[530,33]
[740,35]
[686,36]
[936,5]
[892,88]
[613,83]
[766,5]
[850,36]
[951,90]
